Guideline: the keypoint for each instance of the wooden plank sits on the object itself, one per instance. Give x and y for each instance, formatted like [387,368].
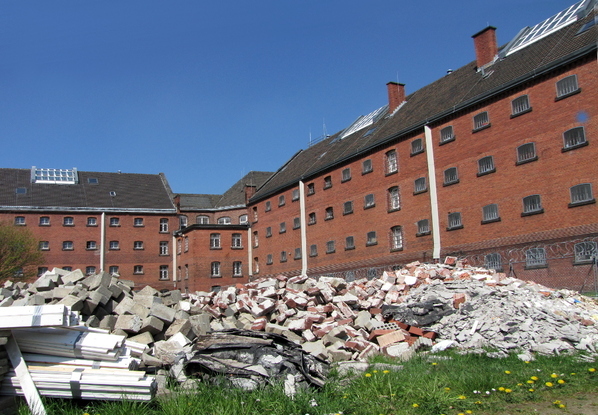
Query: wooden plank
[29,390]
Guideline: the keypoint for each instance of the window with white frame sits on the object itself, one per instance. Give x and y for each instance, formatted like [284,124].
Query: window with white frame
[237,269]
[268,206]
[447,134]
[67,246]
[68,221]
[283,227]
[417,146]
[183,221]
[493,261]
[295,195]
[396,237]
[313,250]
[163,247]
[581,194]
[138,222]
[90,270]
[454,221]
[481,121]
[91,221]
[526,153]
[369,201]
[296,223]
[91,245]
[138,245]
[367,166]
[297,253]
[44,245]
[283,256]
[490,213]
[224,220]
[349,243]
[532,204]
[394,201]
[567,86]
[243,220]
[486,165]
[44,221]
[535,257]
[451,176]
[281,201]
[114,221]
[586,252]
[311,218]
[327,182]
[114,245]
[215,269]
[330,247]
[269,259]
[329,213]
[574,138]
[420,185]
[237,241]
[423,227]
[371,239]
[138,269]
[215,241]
[19,220]
[311,189]
[163,272]
[113,270]
[268,232]
[346,175]
[347,208]
[520,105]
[163,225]
[256,240]
[391,162]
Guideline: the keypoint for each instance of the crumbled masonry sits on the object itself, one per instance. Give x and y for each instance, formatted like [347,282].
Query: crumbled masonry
[258,331]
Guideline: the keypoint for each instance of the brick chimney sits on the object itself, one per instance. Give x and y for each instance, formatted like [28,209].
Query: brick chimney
[485,45]
[249,192]
[396,95]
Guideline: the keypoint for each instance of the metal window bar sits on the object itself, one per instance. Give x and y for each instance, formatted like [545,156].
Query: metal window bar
[446,134]
[417,146]
[397,237]
[490,212]
[420,184]
[391,162]
[535,257]
[393,195]
[423,226]
[480,120]
[450,175]
[586,251]
[574,137]
[526,152]
[532,203]
[520,104]
[454,219]
[581,193]
[566,85]
[486,164]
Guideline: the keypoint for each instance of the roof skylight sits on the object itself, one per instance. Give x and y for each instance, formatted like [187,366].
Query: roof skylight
[363,121]
[54,176]
[530,35]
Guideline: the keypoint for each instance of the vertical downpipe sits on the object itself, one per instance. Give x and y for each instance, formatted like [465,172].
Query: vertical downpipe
[433,193]
[102,240]
[303,228]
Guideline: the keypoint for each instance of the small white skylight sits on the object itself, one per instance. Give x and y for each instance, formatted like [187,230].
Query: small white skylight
[54,176]
[363,121]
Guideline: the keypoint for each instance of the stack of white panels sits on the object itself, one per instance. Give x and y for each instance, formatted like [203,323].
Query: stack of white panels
[37,316]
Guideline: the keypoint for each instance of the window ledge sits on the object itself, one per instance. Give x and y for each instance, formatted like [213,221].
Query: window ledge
[450,183]
[138,273]
[20,224]
[420,192]
[330,252]
[327,187]
[565,149]
[530,267]
[92,226]
[585,202]
[583,262]
[329,218]
[347,213]
[241,276]
[577,91]
[448,140]
[115,226]
[216,276]
[313,255]
[311,223]
[349,248]
[487,172]
[518,163]
[521,113]
[296,227]
[346,180]
[234,247]
[114,249]
[393,210]
[369,206]
[490,221]
[454,228]
[475,130]
[371,244]
[416,153]
[396,249]
[68,226]
[44,224]
[535,212]
[139,226]
[423,234]
[363,173]
[283,260]
[282,231]
[390,173]
[213,248]
[165,232]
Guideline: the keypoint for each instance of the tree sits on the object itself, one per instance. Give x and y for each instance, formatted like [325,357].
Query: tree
[19,251]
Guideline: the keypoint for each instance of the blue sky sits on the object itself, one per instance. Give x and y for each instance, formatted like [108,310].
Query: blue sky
[207,91]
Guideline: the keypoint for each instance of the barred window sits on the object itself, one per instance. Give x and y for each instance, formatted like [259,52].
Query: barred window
[183,220]
[346,175]
[396,237]
[493,261]
[532,204]
[372,239]
[394,201]
[311,189]
[45,245]
[163,248]
[329,213]
[520,105]
[215,269]
[329,247]
[20,220]
[163,225]
[114,245]
[369,201]
[256,240]
[447,134]
[296,193]
[417,146]
[451,176]
[566,86]
[481,120]
[313,250]
[224,220]
[311,218]
[90,270]
[163,272]
[349,243]
[490,213]
[391,162]
[297,253]
[586,252]
[454,221]
[283,227]
[202,220]
[581,194]
[283,256]
[535,257]
[67,246]
[573,138]
[268,207]
[281,200]
[347,208]
[269,259]
[420,185]
[367,166]
[268,231]
[68,221]
[296,223]
[486,165]
[327,182]
[423,227]
[526,153]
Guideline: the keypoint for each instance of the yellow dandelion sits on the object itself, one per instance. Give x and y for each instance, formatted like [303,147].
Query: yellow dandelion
[562,405]
[549,384]
[469,411]
[508,372]
[375,371]
[573,373]
[508,390]
[527,361]
[501,388]
[534,378]
[386,371]
[447,389]
[462,397]
[345,397]
[415,405]
[592,370]
[561,381]
[554,375]
[368,375]
[530,381]
[434,363]
[531,389]
[520,384]
[478,402]
[557,402]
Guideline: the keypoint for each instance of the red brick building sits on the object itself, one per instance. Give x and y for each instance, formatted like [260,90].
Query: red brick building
[494,161]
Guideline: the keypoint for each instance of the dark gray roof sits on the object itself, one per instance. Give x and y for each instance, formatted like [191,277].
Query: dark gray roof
[458,90]
[133,192]
[235,196]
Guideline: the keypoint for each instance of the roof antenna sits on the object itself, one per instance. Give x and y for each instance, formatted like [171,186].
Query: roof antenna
[324,128]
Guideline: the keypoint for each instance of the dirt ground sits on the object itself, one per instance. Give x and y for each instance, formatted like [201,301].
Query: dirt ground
[577,404]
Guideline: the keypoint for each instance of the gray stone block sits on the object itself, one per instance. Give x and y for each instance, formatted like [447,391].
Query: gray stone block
[162,312]
[129,323]
[180,326]
[108,322]
[152,325]
[200,324]
[75,303]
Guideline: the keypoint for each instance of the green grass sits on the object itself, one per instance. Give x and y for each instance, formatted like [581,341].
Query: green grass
[447,383]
